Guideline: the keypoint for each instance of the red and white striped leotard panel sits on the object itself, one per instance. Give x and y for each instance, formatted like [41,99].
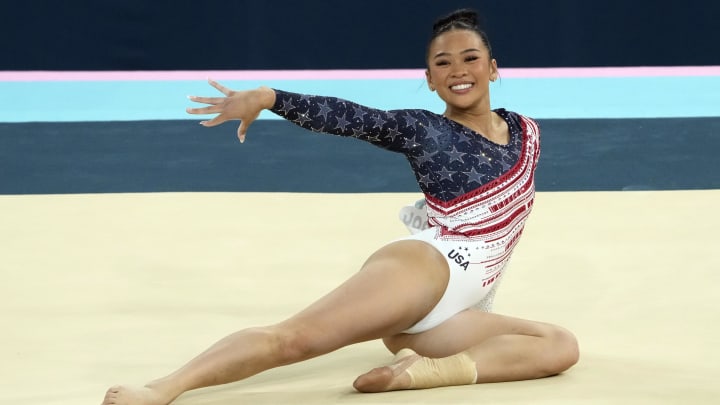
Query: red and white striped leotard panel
[495,212]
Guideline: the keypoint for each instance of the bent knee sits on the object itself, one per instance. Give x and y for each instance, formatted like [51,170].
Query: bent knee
[564,350]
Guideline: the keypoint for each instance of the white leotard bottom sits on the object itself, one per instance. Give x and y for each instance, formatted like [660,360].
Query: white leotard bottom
[476,268]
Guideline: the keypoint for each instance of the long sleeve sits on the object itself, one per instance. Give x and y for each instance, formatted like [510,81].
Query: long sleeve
[389,130]
[450,161]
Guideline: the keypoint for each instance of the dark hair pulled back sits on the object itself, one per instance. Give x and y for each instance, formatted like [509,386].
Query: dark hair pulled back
[463,19]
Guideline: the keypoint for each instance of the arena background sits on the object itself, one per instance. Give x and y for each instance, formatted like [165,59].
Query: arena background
[372,34]
[131,237]
[620,121]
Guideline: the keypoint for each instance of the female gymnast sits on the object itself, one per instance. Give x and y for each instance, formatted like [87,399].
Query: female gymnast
[428,296]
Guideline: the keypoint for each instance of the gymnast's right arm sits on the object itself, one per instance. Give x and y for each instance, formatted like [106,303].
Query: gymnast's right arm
[236,105]
[386,129]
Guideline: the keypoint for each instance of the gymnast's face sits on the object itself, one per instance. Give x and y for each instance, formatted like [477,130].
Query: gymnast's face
[460,69]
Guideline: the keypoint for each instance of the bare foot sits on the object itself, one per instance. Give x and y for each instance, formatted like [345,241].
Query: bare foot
[388,378]
[123,395]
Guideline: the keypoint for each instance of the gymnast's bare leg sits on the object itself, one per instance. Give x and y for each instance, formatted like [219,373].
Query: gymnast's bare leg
[395,288]
[502,349]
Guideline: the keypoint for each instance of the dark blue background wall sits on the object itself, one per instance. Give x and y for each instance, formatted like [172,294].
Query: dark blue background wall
[360,34]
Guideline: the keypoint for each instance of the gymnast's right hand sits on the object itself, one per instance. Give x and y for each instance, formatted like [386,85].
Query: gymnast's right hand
[236,105]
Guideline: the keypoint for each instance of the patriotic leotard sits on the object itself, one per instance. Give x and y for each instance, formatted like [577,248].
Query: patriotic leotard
[479,193]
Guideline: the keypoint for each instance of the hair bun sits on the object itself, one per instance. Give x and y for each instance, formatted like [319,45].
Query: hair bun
[462,17]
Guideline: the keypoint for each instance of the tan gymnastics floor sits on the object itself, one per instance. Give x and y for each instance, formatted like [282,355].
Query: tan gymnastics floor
[100,289]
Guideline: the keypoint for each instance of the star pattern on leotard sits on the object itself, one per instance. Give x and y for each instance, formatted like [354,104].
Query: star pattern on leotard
[342,123]
[324,110]
[410,142]
[425,179]
[472,177]
[410,121]
[445,174]
[358,112]
[379,121]
[287,106]
[426,156]
[357,133]
[448,159]
[455,155]
[302,118]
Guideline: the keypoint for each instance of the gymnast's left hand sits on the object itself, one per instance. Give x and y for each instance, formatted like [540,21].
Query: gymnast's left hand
[236,105]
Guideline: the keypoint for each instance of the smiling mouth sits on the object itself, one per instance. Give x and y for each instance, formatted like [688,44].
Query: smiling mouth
[460,87]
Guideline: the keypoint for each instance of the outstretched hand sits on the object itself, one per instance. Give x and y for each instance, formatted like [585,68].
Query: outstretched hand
[236,105]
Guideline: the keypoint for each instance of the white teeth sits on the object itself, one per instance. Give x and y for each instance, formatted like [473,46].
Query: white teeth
[461,86]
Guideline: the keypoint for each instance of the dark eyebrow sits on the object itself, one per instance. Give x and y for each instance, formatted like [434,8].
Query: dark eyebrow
[447,53]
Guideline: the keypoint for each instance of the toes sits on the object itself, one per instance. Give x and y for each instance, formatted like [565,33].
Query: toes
[388,378]
[376,380]
[111,395]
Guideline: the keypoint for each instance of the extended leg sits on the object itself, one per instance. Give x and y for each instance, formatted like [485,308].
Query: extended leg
[395,288]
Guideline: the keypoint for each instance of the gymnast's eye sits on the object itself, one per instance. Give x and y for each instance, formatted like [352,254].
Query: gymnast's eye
[441,62]
[471,58]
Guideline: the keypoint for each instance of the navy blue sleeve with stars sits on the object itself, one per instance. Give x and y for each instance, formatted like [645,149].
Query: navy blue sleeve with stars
[386,129]
[448,159]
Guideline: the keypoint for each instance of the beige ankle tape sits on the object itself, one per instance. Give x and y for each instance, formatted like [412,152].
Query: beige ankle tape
[458,369]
